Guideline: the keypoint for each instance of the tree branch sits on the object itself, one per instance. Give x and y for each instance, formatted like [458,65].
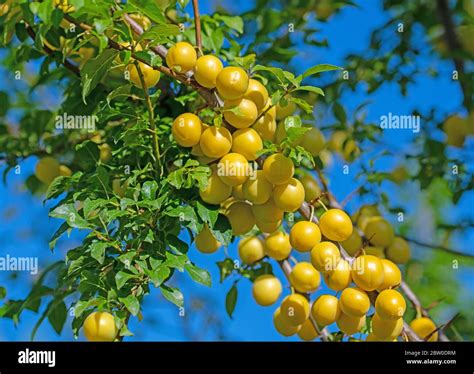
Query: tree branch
[197,22]
[73,68]
[452,41]
[436,246]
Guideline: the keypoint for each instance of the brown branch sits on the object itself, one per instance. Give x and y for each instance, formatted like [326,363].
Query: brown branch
[436,246]
[205,93]
[452,41]
[197,21]
[73,68]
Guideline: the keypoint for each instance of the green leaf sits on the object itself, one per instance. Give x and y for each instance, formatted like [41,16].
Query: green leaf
[98,251]
[149,9]
[236,23]
[231,300]
[131,303]
[314,89]
[57,316]
[198,274]
[3,292]
[339,112]
[319,69]
[122,277]
[226,267]
[149,189]
[61,230]
[4,103]
[208,213]
[172,294]
[158,275]
[122,93]
[94,70]
[161,32]
[175,261]
[69,213]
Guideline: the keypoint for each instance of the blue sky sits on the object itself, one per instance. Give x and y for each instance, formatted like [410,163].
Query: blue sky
[25,227]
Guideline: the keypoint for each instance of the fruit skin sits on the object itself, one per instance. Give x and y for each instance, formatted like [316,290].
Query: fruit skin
[241,218]
[267,212]
[325,256]
[100,327]
[232,82]
[247,142]
[266,289]
[379,231]
[265,127]
[119,188]
[305,278]
[150,76]
[353,243]
[424,327]
[64,171]
[47,169]
[181,57]
[350,325]
[307,331]
[392,275]
[282,325]
[277,245]
[238,193]
[399,251]
[340,277]
[233,169]
[257,190]
[105,153]
[143,21]
[386,329]
[313,141]
[390,305]
[311,187]
[354,302]
[367,272]
[285,111]
[278,169]
[289,196]
[269,227]
[251,250]
[215,142]
[335,225]
[186,129]
[375,251]
[206,242]
[216,191]
[304,235]
[257,93]
[207,69]
[295,309]
[240,113]
[326,310]
[455,128]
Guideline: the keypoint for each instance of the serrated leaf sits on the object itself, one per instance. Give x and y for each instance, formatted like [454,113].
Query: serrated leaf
[198,274]
[98,251]
[173,294]
[94,70]
[131,303]
[122,277]
[69,213]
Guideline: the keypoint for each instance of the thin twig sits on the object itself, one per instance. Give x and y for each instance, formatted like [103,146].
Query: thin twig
[197,22]
[436,246]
